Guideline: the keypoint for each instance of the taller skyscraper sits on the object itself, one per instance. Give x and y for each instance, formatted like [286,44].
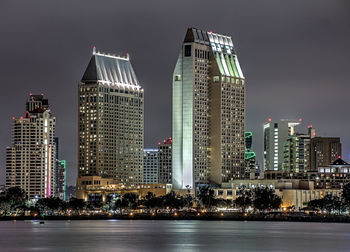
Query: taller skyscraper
[208,111]
[276,134]
[111,120]
[31,158]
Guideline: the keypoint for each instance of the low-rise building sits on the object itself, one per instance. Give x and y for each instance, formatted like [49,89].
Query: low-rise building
[96,188]
[293,192]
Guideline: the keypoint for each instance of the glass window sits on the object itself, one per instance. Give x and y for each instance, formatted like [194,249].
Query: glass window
[187,50]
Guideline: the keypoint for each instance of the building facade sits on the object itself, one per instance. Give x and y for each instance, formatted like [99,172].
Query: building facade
[208,111]
[96,188]
[31,158]
[165,161]
[250,156]
[297,153]
[61,179]
[111,120]
[324,151]
[150,166]
[275,135]
[61,174]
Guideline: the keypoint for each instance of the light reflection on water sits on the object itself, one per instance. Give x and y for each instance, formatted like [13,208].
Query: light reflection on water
[163,235]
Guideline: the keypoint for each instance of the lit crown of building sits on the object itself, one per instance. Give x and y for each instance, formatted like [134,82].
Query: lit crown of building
[222,47]
[110,69]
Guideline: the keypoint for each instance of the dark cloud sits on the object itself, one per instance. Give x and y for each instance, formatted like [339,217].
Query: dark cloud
[295,55]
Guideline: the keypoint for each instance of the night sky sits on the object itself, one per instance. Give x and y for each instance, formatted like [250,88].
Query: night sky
[295,55]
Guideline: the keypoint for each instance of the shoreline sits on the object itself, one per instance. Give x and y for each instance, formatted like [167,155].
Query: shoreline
[203,217]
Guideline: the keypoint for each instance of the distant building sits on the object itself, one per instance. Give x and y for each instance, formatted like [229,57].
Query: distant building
[332,176]
[96,188]
[250,157]
[324,151]
[31,158]
[70,193]
[208,111]
[295,193]
[61,179]
[165,161]
[275,135]
[111,120]
[297,153]
[61,174]
[150,166]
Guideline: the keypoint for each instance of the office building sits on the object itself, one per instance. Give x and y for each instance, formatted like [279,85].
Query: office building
[297,153]
[165,161]
[61,179]
[31,158]
[208,111]
[324,151]
[275,134]
[150,166]
[61,174]
[250,156]
[111,120]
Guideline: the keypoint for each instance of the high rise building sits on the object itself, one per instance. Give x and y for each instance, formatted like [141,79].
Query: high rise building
[250,156]
[61,179]
[297,153]
[165,161]
[276,134]
[61,174]
[150,166]
[111,120]
[31,158]
[208,111]
[324,151]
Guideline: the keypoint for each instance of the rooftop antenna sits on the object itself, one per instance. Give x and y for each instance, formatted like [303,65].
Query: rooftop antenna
[94,50]
[127,55]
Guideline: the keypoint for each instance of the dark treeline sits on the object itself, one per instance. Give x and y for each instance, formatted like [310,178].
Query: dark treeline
[13,202]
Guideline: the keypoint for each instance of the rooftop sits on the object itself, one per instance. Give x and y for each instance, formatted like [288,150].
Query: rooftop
[110,69]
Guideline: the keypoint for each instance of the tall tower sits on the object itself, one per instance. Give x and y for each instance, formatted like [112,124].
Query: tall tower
[208,111]
[165,160]
[31,158]
[150,166]
[111,120]
[276,134]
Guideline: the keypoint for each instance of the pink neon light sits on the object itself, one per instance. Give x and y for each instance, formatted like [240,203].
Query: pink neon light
[48,183]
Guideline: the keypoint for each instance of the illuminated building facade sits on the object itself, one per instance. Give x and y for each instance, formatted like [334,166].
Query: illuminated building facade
[275,135]
[111,120]
[165,161]
[250,155]
[324,151]
[61,173]
[208,111]
[150,166]
[31,158]
[61,179]
[297,153]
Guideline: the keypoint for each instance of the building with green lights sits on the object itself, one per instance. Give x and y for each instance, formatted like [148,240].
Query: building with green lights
[250,156]
[61,179]
[208,111]
[297,153]
[275,135]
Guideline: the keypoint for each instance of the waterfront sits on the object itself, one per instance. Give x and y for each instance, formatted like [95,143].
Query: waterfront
[172,235]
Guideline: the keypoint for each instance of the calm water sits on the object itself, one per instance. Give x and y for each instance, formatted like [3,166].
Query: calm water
[142,235]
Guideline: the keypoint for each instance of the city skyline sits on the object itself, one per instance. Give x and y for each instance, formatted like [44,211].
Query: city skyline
[275,59]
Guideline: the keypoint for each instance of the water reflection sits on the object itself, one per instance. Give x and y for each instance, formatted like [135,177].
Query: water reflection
[139,235]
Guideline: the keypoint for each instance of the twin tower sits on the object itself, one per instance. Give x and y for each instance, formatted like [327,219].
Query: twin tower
[208,94]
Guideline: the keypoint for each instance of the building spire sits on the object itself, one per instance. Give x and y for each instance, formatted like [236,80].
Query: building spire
[94,50]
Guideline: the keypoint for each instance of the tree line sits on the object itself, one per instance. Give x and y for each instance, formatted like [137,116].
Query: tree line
[14,201]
